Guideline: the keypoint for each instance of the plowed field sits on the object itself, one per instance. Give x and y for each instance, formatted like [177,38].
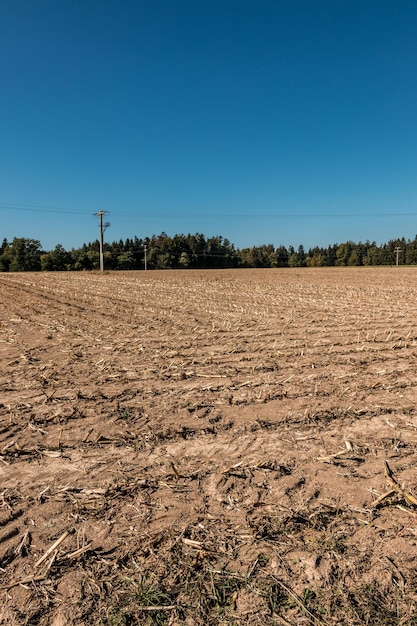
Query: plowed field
[225,447]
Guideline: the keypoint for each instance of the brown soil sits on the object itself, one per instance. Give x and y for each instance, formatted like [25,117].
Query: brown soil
[208,447]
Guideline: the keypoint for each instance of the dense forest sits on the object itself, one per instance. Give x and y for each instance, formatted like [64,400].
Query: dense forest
[197,252]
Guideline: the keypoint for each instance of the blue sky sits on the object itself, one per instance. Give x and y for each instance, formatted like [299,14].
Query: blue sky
[269,121]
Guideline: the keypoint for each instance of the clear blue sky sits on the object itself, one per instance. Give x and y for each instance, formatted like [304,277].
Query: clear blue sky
[265,121]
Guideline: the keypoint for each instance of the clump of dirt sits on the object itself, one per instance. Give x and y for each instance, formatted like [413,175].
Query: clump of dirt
[208,448]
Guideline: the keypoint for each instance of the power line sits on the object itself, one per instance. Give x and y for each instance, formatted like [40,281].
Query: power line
[40,209]
[60,210]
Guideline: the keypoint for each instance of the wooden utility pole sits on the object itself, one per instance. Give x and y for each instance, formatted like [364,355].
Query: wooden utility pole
[397,252]
[102,227]
[145,250]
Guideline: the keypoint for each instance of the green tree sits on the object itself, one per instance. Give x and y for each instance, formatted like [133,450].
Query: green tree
[184,260]
[316,260]
[3,246]
[56,261]
[343,253]
[4,259]
[281,254]
[93,257]
[125,261]
[296,259]
[411,252]
[22,255]
[354,258]
[301,256]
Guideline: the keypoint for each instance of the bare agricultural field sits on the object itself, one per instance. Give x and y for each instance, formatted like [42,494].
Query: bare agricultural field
[224,447]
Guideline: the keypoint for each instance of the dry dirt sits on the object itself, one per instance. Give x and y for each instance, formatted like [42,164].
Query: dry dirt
[225,447]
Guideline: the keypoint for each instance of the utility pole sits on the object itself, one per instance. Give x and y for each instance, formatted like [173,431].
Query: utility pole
[145,248]
[102,227]
[397,252]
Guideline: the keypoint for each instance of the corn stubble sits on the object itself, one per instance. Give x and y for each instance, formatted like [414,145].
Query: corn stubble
[224,447]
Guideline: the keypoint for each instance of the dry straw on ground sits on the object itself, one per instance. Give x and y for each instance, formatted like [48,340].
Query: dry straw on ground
[199,448]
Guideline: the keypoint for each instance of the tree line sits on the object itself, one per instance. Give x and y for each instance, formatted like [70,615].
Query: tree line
[197,252]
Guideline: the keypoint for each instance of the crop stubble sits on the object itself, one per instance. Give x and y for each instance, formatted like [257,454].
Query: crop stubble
[208,447]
